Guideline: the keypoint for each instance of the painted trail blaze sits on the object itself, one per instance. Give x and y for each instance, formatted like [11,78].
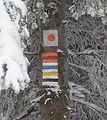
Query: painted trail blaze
[50,68]
[50,38]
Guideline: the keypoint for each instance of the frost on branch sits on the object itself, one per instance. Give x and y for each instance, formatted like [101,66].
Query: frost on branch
[91,7]
[13,63]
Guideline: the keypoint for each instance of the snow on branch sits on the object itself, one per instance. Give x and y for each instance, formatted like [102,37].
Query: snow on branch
[90,105]
[91,7]
[13,63]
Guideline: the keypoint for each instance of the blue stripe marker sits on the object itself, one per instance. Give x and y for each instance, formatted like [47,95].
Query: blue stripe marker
[50,67]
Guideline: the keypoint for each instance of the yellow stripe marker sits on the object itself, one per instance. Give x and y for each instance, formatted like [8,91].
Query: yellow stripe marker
[47,74]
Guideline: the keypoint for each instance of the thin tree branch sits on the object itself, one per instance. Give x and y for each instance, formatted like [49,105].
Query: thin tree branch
[91,105]
[31,53]
[78,66]
[28,109]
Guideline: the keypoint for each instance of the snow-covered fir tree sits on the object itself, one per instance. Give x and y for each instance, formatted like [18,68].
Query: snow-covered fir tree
[13,29]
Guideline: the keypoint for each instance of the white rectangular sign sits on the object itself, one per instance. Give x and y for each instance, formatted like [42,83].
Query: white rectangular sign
[50,38]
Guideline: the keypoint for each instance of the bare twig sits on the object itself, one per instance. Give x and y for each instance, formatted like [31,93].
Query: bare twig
[86,52]
[26,112]
[91,105]
[78,66]
[31,53]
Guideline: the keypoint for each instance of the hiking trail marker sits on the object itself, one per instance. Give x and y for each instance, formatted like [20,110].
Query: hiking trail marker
[50,58]
[50,38]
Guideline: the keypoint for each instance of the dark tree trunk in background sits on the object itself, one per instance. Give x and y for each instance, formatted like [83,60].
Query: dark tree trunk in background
[55,109]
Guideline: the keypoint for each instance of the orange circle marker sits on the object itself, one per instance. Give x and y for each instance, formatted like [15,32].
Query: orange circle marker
[51,37]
